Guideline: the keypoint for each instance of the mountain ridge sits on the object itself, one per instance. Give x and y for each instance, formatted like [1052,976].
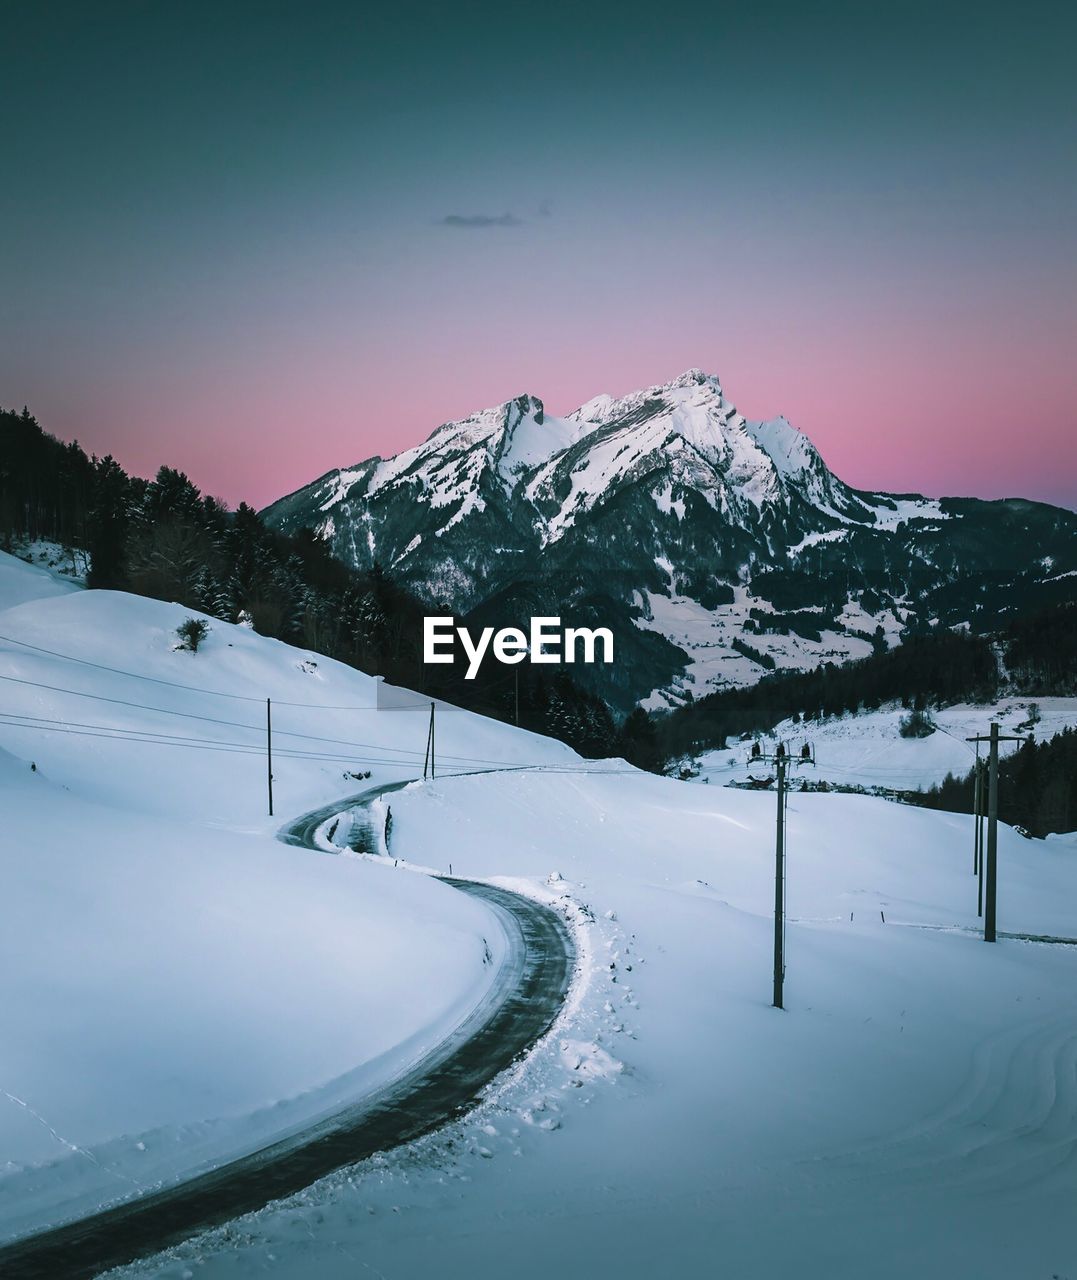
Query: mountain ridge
[669,508]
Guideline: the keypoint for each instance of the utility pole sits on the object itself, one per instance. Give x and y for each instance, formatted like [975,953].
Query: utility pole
[779,891]
[991,902]
[976,811]
[981,788]
[780,758]
[269,753]
[428,759]
[991,879]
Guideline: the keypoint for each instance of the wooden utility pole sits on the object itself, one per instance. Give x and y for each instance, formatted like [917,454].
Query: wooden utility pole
[269,753]
[991,879]
[981,765]
[976,811]
[780,758]
[991,896]
[428,760]
[779,891]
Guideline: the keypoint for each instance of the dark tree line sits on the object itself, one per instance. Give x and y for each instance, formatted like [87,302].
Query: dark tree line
[1038,652]
[1041,651]
[941,668]
[755,655]
[163,538]
[1037,787]
[46,486]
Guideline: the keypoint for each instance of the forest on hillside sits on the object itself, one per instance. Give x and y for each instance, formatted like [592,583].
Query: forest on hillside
[164,538]
[1035,655]
[1037,787]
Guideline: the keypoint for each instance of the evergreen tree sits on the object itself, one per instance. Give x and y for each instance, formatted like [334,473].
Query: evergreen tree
[1037,787]
[108,526]
[639,741]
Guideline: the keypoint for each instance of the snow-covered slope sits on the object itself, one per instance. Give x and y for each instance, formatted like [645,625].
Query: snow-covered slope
[172,994]
[688,428]
[866,749]
[176,985]
[205,712]
[662,507]
[912,1112]
[21,580]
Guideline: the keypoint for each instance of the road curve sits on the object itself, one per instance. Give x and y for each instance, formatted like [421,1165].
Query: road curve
[443,1085]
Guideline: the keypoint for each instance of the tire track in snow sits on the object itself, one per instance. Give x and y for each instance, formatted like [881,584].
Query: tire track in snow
[444,1085]
[1011,1125]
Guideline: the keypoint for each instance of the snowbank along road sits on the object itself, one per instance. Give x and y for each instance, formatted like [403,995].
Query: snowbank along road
[520,1008]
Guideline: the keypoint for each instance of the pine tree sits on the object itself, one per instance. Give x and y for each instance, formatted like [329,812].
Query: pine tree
[639,741]
[108,526]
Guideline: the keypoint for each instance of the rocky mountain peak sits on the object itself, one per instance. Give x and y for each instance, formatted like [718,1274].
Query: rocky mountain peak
[525,405]
[694,378]
[716,539]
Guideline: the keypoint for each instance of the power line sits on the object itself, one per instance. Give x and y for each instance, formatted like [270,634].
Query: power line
[134,675]
[234,724]
[942,728]
[108,732]
[242,697]
[190,688]
[14,720]
[155,737]
[148,740]
[124,702]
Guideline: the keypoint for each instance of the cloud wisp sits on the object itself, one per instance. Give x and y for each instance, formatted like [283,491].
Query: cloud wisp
[471,220]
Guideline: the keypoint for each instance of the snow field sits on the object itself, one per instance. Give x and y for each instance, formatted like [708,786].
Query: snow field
[707,635]
[914,1109]
[172,994]
[176,985]
[207,712]
[867,749]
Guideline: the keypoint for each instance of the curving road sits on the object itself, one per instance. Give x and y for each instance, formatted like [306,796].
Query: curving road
[526,998]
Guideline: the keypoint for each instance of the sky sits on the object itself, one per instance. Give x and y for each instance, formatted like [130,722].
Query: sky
[256,240]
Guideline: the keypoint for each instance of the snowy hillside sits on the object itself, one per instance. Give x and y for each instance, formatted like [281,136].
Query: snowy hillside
[689,529]
[866,749]
[87,671]
[21,581]
[177,985]
[913,1112]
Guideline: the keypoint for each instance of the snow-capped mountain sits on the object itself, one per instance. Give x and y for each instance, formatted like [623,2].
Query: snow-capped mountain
[721,547]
